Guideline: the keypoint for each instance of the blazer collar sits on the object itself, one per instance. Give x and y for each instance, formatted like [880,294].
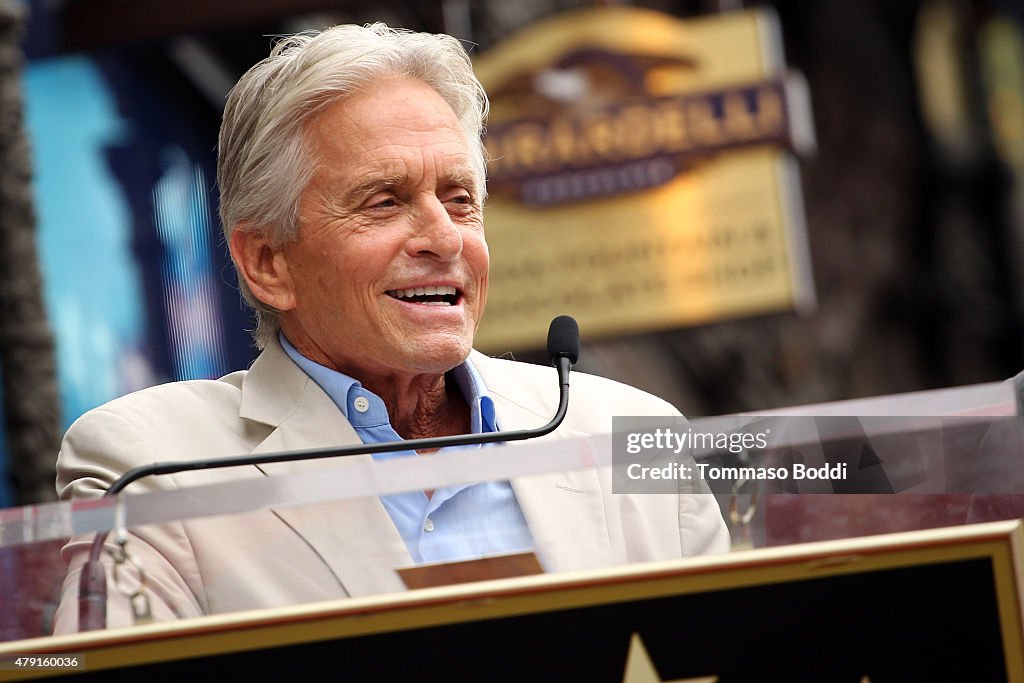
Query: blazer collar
[274,388]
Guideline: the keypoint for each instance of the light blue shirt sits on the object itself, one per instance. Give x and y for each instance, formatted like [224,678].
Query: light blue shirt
[455,523]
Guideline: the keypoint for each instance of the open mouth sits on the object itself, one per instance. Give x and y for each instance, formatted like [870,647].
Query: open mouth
[442,295]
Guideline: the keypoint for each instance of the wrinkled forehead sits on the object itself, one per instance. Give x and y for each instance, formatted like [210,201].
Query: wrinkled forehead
[400,126]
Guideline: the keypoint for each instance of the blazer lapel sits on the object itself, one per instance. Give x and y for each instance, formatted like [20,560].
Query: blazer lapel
[564,510]
[355,538]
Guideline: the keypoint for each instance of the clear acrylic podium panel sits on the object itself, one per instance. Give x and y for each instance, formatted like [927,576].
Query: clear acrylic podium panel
[926,471]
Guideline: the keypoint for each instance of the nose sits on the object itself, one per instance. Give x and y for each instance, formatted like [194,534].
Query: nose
[435,233]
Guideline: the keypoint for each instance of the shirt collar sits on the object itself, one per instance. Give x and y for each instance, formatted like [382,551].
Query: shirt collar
[363,408]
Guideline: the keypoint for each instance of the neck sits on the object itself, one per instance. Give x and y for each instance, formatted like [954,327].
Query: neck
[425,406]
[420,405]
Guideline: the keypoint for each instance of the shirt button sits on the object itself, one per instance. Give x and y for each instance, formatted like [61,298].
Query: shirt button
[428,525]
[361,403]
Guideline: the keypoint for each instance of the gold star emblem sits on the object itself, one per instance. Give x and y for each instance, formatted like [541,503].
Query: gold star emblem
[640,668]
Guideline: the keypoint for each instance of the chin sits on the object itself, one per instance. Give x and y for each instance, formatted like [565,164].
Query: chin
[439,358]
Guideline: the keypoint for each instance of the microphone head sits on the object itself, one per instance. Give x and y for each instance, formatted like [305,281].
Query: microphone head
[563,339]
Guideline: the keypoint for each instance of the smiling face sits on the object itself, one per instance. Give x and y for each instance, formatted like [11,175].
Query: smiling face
[388,274]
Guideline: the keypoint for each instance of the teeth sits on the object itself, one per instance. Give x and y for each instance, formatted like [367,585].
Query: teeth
[430,290]
[443,290]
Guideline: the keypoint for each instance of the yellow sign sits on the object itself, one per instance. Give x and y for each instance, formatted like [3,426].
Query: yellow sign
[641,176]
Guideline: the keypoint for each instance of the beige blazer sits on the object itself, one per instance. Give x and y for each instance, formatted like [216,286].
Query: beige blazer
[300,555]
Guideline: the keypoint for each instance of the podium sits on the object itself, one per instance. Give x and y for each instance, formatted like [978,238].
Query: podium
[934,604]
[929,605]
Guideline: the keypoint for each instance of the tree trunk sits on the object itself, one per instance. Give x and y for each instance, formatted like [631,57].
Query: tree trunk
[27,361]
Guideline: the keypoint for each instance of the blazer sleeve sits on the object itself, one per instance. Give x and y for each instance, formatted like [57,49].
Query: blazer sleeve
[99,447]
[702,528]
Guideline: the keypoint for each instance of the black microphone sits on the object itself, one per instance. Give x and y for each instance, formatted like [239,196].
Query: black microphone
[563,352]
[564,340]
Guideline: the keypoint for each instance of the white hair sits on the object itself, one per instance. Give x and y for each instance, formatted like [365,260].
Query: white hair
[264,161]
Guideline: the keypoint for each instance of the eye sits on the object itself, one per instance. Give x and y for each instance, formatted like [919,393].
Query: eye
[459,197]
[381,200]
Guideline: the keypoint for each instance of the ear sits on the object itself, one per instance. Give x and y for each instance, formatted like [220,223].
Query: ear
[263,267]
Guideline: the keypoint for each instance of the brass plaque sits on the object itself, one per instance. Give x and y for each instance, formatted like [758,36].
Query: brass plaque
[642,174]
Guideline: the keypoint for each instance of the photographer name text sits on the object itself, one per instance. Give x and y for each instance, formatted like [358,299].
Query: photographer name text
[710,472]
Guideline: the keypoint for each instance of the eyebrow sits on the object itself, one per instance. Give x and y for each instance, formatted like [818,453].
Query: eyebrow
[463,177]
[372,186]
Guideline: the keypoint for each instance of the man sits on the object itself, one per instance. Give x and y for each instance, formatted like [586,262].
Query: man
[351,172]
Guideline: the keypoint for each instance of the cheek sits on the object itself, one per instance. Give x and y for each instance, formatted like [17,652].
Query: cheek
[309,277]
[476,251]
[481,269]
[331,267]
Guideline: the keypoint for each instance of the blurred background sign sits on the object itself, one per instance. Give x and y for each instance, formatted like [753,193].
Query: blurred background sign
[641,174]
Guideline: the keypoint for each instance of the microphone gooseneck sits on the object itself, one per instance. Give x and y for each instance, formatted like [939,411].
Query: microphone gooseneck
[563,352]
